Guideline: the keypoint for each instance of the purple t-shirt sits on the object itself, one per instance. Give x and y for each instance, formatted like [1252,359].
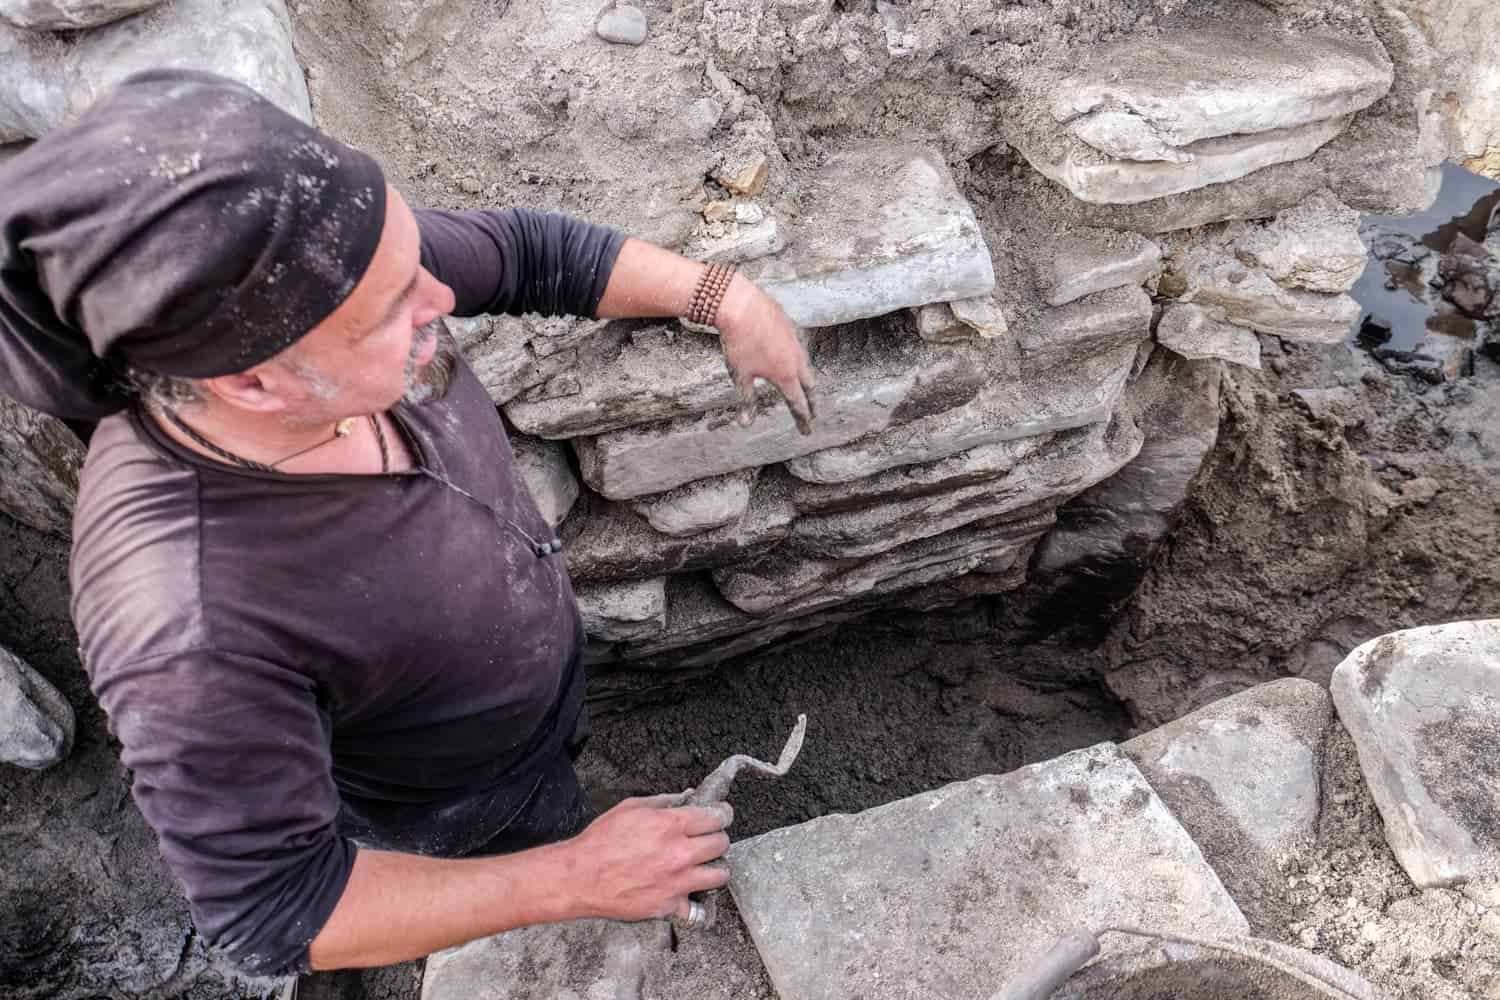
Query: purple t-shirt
[270,648]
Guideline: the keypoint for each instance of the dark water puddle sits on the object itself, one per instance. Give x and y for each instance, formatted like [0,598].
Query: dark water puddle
[1397,290]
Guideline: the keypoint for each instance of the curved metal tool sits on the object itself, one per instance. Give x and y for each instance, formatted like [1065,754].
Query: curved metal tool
[715,788]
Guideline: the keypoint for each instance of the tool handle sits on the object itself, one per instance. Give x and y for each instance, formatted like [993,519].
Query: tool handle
[1071,953]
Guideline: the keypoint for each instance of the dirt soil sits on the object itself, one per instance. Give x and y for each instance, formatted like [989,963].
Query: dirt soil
[1341,502]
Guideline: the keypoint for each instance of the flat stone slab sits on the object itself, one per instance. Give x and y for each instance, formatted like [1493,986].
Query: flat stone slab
[701,506]
[950,893]
[1202,332]
[618,612]
[1249,297]
[1314,245]
[1243,775]
[1423,707]
[39,463]
[544,468]
[1090,323]
[885,229]
[36,721]
[44,83]
[1090,261]
[1190,84]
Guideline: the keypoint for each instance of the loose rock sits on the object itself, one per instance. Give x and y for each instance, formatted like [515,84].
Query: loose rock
[623,24]
[36,721]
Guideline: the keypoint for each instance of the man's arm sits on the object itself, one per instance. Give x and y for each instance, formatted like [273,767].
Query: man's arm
[637,861]
[759,341]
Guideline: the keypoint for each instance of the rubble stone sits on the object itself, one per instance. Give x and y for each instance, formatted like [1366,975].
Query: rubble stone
[700,506]
[36,721]
[1243,775]
[1089,323]
[549,478]
[915,894]
[937,324]
[618,612]
[1249,297]
[885,229]
[39,463]
[1422,706]
[44,82]
[1198,332]
[1090,261]
[1314,245]
[981,315]
[623,24]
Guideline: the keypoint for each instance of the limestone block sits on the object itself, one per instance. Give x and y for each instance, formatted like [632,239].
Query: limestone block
[617,544]
[976,465]
[1114,527]
[549,478]
[45,82]
[884,384]
[617,612]
[950,893]
[69,15]
[1249,298]
[1053,474]
[1089,323]
[1096,260]
[1198,332]
[1095,178]
[698,507]
[39,463]
[885,229]
[1210,80]
[633,376]
[1243,775]
[1017,402]
[1422,706]
[786,583]
[1314,245]
[981,315]
[36,721]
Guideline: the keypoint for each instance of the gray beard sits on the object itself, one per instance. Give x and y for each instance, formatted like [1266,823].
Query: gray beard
[430,382]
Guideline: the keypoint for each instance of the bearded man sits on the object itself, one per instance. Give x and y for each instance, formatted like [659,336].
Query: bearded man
[333,634]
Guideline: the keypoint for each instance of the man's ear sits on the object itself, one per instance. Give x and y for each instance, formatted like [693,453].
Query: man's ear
[256,390]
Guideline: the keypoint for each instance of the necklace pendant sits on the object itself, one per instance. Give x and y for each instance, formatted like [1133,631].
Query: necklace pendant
[344,427]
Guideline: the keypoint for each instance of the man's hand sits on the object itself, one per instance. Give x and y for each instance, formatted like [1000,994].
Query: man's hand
[760,342]
[641,859]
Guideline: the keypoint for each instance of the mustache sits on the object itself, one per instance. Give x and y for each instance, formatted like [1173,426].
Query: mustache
[430,382]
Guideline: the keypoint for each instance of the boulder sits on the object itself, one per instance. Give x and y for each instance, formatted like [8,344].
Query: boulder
[1095,260]
[1196,332]
[68,15]
[952,892]
[618,612]
[885,228]
[46,81]
[1422,707]
[1243,776]
[544,468]
[36,721]
[39,463]
[699,507]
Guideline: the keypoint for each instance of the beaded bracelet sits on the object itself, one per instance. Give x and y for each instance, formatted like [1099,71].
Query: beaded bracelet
[709,293]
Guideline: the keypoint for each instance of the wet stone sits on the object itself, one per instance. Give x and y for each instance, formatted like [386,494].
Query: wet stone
[1423,707]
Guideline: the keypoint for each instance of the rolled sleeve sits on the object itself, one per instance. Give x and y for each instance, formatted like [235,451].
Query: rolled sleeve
[519,261]
[232,769]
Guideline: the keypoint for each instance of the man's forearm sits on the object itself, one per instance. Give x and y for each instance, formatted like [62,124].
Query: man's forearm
[647,282]
[397,907]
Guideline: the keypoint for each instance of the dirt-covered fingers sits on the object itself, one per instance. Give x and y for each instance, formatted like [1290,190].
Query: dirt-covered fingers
[711,818]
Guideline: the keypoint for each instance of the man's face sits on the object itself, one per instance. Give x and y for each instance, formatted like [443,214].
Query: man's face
[385,342]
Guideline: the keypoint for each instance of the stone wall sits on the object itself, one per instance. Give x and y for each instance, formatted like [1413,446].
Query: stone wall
[1022,239]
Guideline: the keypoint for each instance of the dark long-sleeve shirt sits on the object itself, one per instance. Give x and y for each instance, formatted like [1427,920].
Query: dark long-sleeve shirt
[271,647]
